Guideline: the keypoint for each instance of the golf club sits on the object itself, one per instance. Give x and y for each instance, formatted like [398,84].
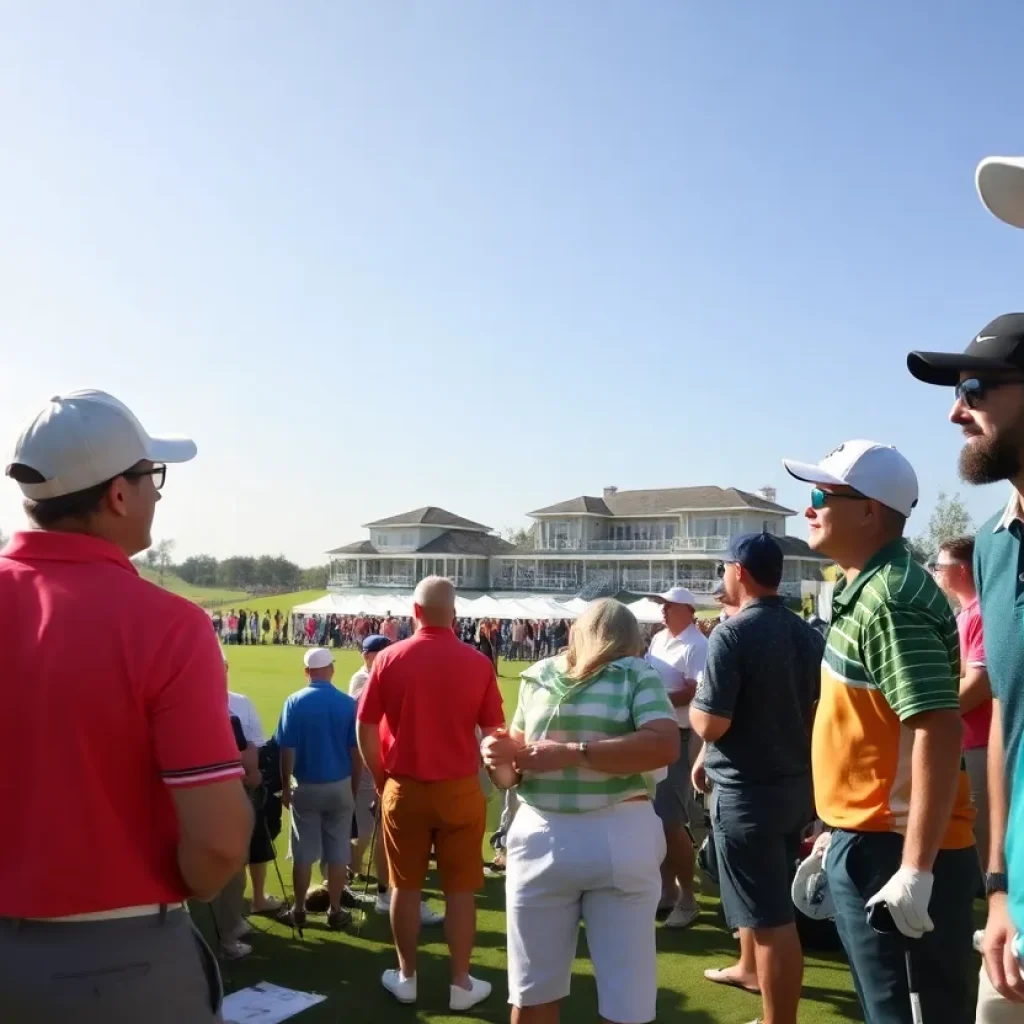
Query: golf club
[372,849]
[880,919]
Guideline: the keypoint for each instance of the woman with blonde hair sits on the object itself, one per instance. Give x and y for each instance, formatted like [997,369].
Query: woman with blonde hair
[590,728]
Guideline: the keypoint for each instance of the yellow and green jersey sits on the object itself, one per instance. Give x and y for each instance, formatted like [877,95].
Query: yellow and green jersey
[892,653]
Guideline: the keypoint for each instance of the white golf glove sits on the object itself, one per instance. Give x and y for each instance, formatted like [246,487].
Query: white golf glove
[907,895]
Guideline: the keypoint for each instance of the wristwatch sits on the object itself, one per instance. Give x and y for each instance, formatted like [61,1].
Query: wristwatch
[995,881]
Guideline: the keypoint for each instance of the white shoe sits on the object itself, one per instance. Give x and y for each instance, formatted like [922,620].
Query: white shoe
[403,989]
[465,999]
[682,916]
[242,929]
[234,950]
[430,917]
[383,902]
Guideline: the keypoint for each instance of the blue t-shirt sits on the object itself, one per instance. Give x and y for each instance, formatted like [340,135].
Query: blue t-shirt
[319,724]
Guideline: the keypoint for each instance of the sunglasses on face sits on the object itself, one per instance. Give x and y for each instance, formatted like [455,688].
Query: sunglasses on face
[820,498]
[158,473]
[973,391]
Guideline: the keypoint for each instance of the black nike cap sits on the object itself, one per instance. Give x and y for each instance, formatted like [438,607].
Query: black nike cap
[997,348]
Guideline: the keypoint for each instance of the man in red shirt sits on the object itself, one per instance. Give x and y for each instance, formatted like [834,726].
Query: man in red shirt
[954,572]
[432,696]
[127,787]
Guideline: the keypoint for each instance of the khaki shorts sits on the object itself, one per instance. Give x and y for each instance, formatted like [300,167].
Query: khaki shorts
[449,817]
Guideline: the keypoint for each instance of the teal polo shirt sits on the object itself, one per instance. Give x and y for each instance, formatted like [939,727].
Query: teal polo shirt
[999,575]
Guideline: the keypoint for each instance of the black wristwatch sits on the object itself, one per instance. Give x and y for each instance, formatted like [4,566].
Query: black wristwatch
[995,881]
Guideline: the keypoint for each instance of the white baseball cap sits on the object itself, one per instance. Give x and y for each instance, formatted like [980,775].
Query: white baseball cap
[810,892]
[85,438]
[317,657]
[676,595]
[875,470]
[1000,182]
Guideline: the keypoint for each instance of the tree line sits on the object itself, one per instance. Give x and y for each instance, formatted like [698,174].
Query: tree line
[239,572]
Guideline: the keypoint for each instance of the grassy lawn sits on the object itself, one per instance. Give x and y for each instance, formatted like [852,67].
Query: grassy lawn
[206,596]
[347,969]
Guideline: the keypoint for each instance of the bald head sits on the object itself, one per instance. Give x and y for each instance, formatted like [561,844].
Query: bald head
[434,601]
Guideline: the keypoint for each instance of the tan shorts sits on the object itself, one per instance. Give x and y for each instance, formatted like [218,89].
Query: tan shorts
[449,817]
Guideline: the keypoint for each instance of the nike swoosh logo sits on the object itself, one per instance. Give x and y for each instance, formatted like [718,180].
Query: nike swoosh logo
[988,337]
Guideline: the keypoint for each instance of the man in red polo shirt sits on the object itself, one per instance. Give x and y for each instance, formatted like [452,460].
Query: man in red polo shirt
[433,696]
[125,778]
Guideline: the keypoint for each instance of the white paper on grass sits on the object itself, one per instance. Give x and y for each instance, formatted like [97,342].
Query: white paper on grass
[266,1004]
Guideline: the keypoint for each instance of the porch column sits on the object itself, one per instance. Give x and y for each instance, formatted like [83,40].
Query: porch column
[584,570]
[650,575]
[536,570]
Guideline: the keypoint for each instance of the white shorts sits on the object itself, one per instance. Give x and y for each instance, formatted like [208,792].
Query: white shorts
[599,866]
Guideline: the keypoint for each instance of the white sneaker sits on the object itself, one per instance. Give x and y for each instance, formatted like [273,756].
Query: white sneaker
[403,989]
[466,998]
[234,950]
[428,916]
[383,902]
[682,916]
[241,930]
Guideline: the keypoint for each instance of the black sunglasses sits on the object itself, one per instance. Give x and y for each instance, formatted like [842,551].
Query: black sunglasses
[158,473]
[972,391]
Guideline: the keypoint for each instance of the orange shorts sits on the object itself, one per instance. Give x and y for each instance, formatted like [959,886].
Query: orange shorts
[448,816]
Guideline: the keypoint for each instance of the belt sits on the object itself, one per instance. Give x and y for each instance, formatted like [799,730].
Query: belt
[119,914]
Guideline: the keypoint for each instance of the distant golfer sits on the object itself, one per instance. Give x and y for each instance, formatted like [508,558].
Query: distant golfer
[125,777]
[317,737]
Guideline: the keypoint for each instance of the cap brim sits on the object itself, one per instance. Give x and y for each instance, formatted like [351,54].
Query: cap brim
[1000,183]
[170,449]
[811,474]
[945,368]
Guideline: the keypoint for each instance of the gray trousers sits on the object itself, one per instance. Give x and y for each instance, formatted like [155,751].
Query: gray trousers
[107,972]
[976,761]
[228,906]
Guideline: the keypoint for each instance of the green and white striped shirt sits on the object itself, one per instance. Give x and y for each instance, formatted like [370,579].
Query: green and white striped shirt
[623,696]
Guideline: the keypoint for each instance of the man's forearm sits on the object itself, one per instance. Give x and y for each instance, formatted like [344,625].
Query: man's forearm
[935,774]
[641,751]
[287,768]
[974,688]
[368,737]
[998,802]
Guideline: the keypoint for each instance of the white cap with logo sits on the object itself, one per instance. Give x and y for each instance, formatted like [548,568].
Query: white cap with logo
[676,595]
[317,657]
[85,438]
[875,470]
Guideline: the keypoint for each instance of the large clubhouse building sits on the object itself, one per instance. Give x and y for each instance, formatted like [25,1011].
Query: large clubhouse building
[640,541]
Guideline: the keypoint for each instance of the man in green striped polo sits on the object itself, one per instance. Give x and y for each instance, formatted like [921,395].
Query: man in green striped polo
[885,753]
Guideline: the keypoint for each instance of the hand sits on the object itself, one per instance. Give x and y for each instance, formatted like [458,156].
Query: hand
[699,777]
[688,691]
[996,948]
[499,749]
[907,895]
[286,798]
[821,845]
[544,756]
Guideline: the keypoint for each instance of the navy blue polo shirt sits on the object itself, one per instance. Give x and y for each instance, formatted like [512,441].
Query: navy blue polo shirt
[319,724]
[999,575]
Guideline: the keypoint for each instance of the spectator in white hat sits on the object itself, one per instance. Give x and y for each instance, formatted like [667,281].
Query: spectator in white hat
[886,754]
[137,733]
[678,654]
[317,737]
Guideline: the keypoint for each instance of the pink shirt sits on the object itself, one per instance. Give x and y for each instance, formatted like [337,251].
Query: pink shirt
[972,652]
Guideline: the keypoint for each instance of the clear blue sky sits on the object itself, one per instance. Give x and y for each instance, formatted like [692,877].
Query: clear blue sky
[491,256]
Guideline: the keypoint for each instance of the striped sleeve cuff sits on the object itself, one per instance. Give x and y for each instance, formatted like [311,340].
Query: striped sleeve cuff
[204,774]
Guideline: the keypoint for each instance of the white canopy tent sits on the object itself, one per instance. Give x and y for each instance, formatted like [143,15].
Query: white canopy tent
[482,607]
[646,610]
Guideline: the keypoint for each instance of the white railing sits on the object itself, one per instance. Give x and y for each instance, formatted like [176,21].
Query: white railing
[700,544]
[343,579]
[559,545]
[404,580]
[629,545]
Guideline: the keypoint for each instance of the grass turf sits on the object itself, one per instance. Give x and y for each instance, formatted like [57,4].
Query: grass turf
[347,969]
